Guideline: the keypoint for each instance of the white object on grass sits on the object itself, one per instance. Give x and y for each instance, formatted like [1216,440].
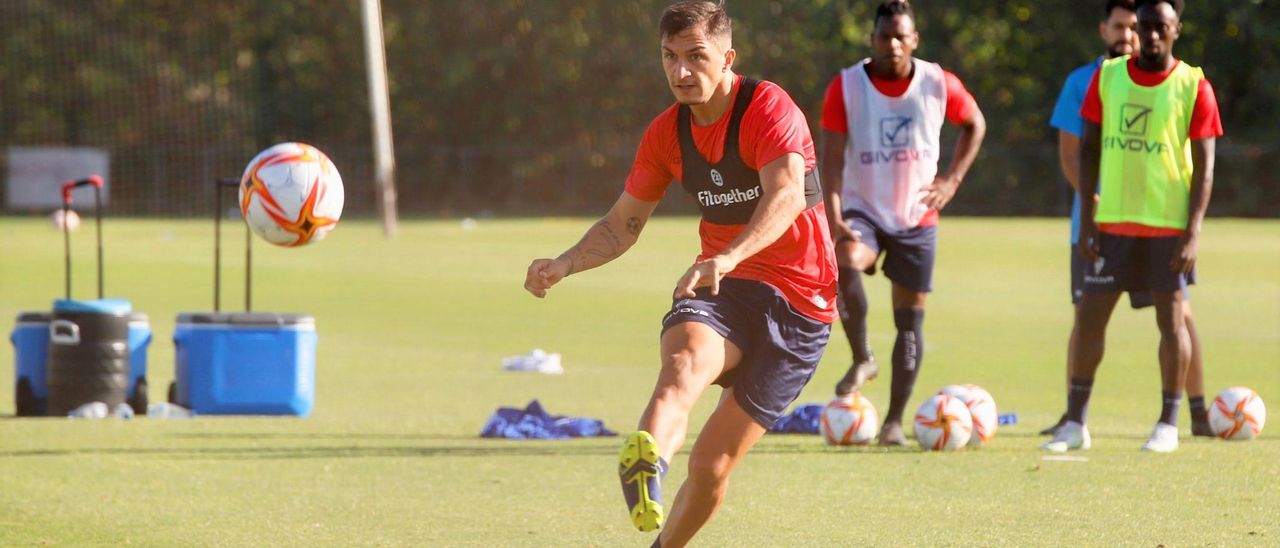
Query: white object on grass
[537,361]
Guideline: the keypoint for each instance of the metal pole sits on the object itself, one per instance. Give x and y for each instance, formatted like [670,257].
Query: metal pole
[66,243]
[384,160]
[217,246]
[248,267]
[97,204]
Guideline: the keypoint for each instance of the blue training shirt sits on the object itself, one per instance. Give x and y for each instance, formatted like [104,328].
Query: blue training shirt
[1066,117]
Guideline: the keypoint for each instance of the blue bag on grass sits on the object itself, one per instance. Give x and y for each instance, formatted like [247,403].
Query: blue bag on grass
[802,420]
[534,423]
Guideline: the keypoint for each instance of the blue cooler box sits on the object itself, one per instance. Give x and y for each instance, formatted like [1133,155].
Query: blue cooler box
[30,340]
[258,363]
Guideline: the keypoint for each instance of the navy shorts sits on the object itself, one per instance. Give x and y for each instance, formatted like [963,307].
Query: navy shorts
[1136,265]
[1137,299]
[780,347]
[908,255]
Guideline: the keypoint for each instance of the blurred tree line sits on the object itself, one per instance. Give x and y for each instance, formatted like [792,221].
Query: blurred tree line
[536,106]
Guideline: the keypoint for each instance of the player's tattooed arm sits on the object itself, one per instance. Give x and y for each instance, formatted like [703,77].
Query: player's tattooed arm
[635,225]
[602,243]
[609,237]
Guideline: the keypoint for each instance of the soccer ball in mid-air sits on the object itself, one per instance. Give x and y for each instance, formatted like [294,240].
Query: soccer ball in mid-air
[848,421]
[291,194]
[943,424]
[1237,414]
[982,410]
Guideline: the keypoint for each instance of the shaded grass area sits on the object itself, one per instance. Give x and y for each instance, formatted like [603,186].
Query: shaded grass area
[412,332]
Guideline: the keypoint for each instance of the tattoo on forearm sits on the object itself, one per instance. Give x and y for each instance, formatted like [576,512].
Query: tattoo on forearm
[635,225]
[612,240]
[599,245]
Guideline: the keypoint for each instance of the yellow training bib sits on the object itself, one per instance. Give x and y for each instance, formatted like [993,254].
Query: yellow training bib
[1146,154]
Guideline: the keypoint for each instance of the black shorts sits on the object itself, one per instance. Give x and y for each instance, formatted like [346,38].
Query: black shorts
[780,347]
[1136,265]
[908,255]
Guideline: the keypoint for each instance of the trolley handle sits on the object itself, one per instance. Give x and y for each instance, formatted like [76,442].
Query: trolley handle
[220,184]
[96,182]
[68,186]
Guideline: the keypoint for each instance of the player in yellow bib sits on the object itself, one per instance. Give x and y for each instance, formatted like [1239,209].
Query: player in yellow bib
[1151,126]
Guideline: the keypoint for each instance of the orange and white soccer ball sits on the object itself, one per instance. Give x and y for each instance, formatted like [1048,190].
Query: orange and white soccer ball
[291,194]
[848,421]
[943,424]
[982,410]
[1237,414]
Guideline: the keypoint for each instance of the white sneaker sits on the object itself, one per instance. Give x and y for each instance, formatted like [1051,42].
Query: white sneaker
[1164,439]
[1070,437]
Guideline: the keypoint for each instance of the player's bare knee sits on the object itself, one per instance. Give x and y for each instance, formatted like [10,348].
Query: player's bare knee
[862,258]
[679,367]
[677,381]
[710,471]
[670,394]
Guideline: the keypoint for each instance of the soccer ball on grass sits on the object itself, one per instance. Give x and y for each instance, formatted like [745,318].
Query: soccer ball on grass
[848,421]
[982,410]
[943,424]
[1237,414]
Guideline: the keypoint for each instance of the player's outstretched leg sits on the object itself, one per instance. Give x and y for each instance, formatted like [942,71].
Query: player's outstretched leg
[641,471]
[726,438]
[693,355]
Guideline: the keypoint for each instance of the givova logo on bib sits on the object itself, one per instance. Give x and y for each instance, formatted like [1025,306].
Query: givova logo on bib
[1134,122]
[895,131]
[1134,118]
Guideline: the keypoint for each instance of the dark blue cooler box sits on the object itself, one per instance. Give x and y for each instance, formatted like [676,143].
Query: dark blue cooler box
[30,340]
[251,363]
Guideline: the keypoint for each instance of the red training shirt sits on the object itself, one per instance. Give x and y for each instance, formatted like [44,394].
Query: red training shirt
[801,263]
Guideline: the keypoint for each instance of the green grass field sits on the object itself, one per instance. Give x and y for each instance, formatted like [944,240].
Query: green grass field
[412,332]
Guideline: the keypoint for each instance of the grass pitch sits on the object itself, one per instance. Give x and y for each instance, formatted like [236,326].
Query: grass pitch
[412,332]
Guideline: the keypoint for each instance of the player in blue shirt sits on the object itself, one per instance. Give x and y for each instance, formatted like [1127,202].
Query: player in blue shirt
[1118,32]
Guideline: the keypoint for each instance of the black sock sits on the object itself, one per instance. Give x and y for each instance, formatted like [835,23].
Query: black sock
[908,352]
[1169,407]
[1198,411]
[853,316]
[1078,399]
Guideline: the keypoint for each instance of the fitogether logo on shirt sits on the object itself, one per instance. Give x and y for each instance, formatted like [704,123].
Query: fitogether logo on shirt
[716,178]
[895,131]
[1134,118]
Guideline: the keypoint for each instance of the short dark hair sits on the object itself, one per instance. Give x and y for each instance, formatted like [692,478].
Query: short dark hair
[682,16]
[1112,5]
[1177,5]
[893,8]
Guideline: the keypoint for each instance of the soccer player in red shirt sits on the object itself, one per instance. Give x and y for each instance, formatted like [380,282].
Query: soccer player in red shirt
[754,311]
[881,122]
